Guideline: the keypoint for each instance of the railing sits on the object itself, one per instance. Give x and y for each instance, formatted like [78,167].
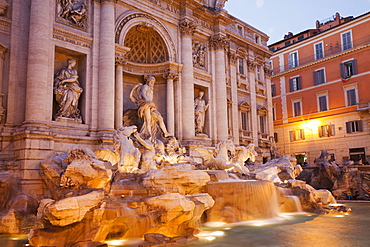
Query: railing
[329,50]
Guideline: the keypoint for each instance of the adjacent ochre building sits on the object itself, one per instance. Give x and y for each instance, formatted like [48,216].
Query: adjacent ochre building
[320,84]
[112,45]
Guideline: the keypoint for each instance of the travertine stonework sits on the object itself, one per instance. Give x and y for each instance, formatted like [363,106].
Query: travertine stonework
[186,46]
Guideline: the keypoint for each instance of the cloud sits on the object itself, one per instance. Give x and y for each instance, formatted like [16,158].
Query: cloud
[260,3]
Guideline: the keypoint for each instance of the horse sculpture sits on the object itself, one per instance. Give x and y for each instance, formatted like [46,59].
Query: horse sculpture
[225,158]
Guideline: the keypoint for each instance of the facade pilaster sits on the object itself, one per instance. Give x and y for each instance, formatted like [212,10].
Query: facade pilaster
[106,77]
[170,77]
[39,91]
[187,30]
[118,103]
[252,87]
[2,51]
[267,75]
[234,96]
[219,44]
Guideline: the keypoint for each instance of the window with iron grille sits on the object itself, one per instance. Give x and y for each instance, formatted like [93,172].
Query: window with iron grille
[319,51]
[346,41]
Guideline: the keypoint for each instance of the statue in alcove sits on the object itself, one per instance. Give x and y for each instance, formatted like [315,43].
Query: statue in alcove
[200,112]
[67,92]
[153,124]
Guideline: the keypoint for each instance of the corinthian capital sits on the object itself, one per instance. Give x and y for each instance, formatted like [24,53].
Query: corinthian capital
[171,75]
[187,27]
[218,42]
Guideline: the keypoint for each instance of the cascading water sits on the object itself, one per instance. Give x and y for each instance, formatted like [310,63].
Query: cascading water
[288,203]
[237,201]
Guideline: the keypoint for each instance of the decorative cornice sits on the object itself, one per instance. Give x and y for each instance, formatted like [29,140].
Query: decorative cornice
[71,37]
[251,65]
[267,70]
[187,27]
[218,42]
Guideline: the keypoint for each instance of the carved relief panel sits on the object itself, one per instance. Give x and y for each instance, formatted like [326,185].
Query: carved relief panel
[73,12]
[199,54]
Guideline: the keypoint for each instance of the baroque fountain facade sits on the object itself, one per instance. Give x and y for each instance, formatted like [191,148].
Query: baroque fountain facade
[128,119]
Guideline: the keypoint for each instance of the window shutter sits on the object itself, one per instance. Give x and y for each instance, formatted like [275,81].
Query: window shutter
[291,134]
[321,75]
[332,130]
[302,131]
[299,86]
[291,85]
[320,131]
[348,127]
[290,61]
[360,127]
[354,67]
[343,72]
[315,78]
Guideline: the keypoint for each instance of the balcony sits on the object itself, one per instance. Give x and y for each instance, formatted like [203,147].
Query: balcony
[329,50]
[363,106]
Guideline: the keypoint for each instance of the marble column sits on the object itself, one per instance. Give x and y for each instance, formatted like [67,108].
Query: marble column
[252,88]
[170,77]
[106,77]
[187,30]
[267,77]
[39,90]
[219,43]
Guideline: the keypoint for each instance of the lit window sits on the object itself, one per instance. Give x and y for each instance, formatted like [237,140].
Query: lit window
[297,135]
[326,130]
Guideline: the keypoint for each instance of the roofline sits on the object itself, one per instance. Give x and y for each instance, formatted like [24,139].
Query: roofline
[314,34]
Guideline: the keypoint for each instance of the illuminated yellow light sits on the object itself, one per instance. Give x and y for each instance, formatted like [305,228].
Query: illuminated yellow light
[115,242]
[311,124]
[339,216]
[335,204]
[210,238]
[215,224]
[218,233]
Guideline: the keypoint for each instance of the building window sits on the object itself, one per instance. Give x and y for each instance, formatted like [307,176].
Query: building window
[346,41]
[259,77]
[287,43]
[293,60]
[319,51]
[295,83]
[297,107]
[244,120]
[300,37]
[273,89]
[274,112]
[322,101]
[354,126]
[276,137]
[297,135]
[319,76]
[348,69]
[351,95]
[262,126]
[241,66]
[327,130]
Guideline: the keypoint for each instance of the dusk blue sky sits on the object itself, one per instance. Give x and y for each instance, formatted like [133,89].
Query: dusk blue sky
[278,17]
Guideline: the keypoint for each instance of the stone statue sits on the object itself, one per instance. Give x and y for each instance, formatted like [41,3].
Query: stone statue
[73,11]
[67,91]
[142,95]
[200,112]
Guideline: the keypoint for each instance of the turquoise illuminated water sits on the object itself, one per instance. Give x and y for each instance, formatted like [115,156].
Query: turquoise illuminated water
[352,230]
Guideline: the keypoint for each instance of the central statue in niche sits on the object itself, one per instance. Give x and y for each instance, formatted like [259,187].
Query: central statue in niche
[142,96]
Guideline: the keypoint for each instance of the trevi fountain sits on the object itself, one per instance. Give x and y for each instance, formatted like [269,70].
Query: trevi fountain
[149,123]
